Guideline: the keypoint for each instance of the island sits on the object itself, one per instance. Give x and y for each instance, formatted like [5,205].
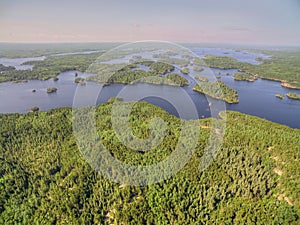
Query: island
[80,80]
[293,96]
[218,90]
[198,68]
[245,77]
[130,74]
[201,78]
[279,96]
[176,80]
[161,68]
[185,71]
[34,109]
[51,90]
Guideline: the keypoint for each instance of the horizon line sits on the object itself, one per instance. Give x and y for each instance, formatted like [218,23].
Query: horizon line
[123,42]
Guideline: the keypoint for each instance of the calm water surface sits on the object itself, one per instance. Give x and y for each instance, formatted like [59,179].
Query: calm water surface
[256,98]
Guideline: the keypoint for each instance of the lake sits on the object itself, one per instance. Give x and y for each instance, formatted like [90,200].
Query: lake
[256,98]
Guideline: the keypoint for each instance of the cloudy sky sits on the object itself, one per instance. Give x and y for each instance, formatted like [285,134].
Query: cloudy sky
[273,22]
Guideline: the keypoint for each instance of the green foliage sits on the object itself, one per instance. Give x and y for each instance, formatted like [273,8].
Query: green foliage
[9,50]
[126,75]
[79,80]
[198,68]
[293,96]
[217,90]
[201,78]
[244,77]
[51,90]
[185,71]
[45,180]
[6,68]
[51,67]
[161,68]
[34,109]
[283,66]
[279,96]
[177,79]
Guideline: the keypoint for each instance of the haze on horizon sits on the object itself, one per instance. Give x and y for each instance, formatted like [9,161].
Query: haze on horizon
[267,22]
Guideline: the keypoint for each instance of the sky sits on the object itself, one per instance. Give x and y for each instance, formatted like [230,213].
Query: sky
[265,22]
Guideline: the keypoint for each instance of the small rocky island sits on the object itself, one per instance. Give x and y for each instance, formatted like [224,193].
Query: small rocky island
[80,80]
[279,96]
[34,109]
[293,96]
[51,90]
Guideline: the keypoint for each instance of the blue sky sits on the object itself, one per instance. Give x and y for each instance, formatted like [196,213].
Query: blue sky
[273,22]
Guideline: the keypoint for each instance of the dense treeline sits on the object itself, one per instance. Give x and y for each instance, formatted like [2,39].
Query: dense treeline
[45,180]
[283,66]
[177,79]
[9,50]
[201,78]
[51,67]
[217,90]
[126,75]
[6,68]
[161,68]
[244,77]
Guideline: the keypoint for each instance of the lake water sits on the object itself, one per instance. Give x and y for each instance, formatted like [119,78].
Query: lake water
[256,98]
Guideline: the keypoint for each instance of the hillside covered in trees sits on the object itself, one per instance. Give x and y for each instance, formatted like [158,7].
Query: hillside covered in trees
[283,66]
[44,179]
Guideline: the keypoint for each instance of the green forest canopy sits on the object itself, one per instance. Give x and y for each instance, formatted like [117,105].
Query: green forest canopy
[217,90]
[45,180]
[283,66]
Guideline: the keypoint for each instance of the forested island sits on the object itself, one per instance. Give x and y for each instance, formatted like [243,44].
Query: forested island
[51,90]
[79,80]
[244,77]
[293,96]
[217,90]
[201,78]
[279,96]
[158,74]
[44,179]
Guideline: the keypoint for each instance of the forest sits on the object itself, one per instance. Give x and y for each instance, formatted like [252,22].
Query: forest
[6,68]
[50,67]
[244,77]
[283,66]
[159,73]
[44,178]
[217,90]
[18,50]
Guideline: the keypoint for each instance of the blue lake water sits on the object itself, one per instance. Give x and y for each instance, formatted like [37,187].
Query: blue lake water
[256,98]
